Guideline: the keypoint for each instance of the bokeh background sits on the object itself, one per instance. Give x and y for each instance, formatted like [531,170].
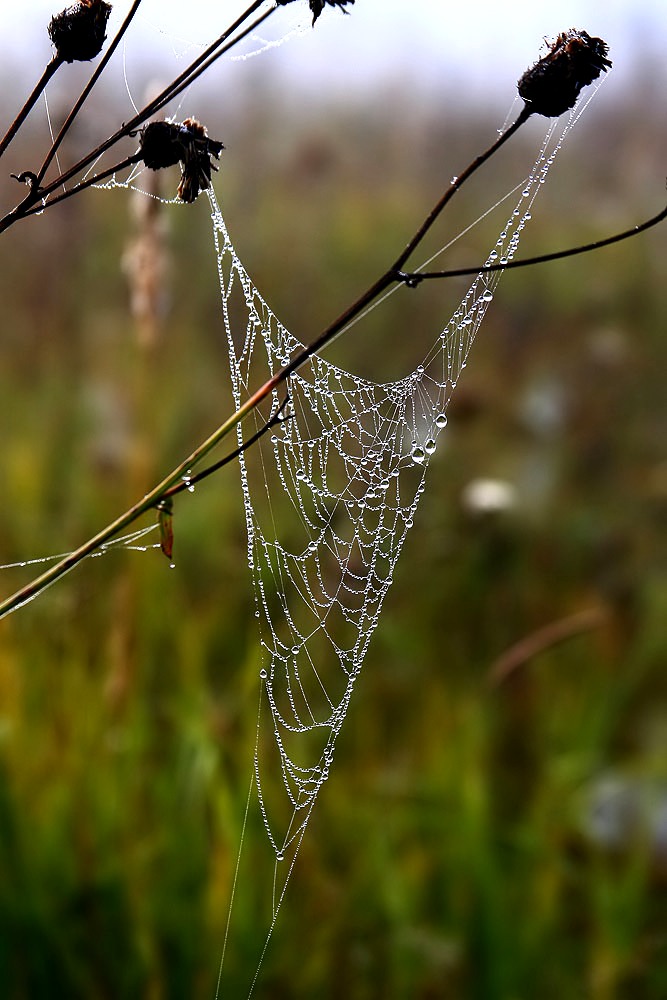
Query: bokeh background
[495,825]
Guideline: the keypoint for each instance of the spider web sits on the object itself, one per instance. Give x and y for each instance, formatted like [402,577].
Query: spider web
[329,500]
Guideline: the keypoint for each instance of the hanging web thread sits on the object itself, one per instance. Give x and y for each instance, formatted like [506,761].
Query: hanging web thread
[329,499]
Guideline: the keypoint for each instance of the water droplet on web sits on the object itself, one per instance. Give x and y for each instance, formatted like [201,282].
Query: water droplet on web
[418,455]
[441,420]
[487,296]
[280,857]
[263,673]
[526,192]
[295,649]
[430,446]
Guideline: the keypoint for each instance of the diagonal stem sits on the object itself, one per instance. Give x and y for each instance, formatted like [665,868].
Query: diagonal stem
[461,272]
[50,69]
[457,183]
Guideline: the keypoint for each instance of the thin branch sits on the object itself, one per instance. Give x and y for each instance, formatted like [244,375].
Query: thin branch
[414,278]
[129,161]
[50,69]
[457,183]
[278,417]
[547,637]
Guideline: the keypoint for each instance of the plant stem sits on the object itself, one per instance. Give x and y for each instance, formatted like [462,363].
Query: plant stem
[50,69]
[461,272]
[326,337]
[457,183]
[244,446]
[28,206]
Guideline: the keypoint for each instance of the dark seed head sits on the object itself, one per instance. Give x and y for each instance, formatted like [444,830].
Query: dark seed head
[78,32]
[163,144]
[553,84]
[159,145]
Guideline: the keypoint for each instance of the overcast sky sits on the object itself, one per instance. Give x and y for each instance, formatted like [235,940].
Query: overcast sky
[381,39]
[437,48]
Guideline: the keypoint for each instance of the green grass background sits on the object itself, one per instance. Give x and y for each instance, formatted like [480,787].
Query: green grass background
[450,854]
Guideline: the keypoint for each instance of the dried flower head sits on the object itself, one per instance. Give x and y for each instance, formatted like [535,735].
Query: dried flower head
[553,84]
[317,6]
[78,32]
[163,144]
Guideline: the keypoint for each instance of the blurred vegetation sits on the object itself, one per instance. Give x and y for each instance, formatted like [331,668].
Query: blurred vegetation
[478,840]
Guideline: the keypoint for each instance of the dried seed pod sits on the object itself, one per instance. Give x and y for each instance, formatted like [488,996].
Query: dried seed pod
[159,145]
[554,83]
[317,6]
[78,32]
[163,144]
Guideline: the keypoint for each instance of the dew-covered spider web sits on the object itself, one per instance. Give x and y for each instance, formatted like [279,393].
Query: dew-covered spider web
[329,496]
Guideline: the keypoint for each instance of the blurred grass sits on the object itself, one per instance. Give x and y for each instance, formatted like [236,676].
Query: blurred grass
[463,846]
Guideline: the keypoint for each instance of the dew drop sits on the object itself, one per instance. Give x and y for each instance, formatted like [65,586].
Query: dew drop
[441,420]
[418,455]
[263,674]
[430,446]
[280,857]
[487,296]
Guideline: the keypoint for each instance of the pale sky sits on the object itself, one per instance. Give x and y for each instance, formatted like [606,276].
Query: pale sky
[380,40]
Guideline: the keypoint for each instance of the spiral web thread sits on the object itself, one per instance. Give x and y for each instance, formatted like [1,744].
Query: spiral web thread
[329,499]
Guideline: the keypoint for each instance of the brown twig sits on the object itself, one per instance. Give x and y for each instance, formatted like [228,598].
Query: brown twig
[544,638]
[50,69]
[414,278]
[457,183]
